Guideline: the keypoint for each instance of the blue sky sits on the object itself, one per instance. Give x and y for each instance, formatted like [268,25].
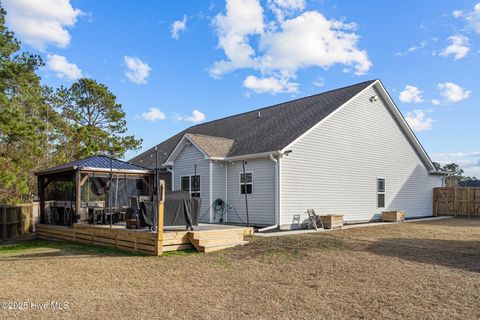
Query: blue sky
[176,63]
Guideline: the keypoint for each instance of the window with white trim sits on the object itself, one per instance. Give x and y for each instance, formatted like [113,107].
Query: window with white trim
[191,184]
[246,186]
[195,186]
[381,193]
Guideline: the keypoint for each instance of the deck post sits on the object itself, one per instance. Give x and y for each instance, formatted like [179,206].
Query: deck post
[161,207]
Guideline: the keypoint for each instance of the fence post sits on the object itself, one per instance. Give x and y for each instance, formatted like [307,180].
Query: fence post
[455,202]
[4,223]
[20,219]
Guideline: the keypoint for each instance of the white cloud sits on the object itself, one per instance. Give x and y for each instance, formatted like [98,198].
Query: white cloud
[285,45]
[243,18]
[457,13]
[62,68]
[411,94]
[413,48]
[468,161]
[42,23]
[473,18]
[323,43]
[319,82]
[435,102]
[153,114]
[269,85]
[418,120]
[137,71]
[458,48]
[178,26]
[458,154]
[282,8]
[196,117]
[453,92]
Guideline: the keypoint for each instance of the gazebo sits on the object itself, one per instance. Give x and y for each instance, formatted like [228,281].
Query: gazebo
[92,190]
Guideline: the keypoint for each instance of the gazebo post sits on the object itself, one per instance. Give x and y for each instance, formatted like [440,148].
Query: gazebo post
[161,207]
[41,195]
[78,193]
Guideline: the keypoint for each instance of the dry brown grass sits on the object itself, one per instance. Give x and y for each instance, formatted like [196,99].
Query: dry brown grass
[423,270]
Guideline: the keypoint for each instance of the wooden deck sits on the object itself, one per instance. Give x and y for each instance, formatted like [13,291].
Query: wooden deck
[204,238]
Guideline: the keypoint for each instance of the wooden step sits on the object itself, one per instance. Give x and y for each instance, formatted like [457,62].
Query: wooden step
[217,247]
[219,240]
[221,232]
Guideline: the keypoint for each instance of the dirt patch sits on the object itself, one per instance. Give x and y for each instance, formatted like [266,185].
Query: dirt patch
[427,270]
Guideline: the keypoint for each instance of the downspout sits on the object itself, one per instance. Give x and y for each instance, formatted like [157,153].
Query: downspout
[210,187]
[173,177]
[277,195]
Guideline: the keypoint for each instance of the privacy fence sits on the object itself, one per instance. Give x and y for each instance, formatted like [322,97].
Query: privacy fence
[17,220]
[456,201]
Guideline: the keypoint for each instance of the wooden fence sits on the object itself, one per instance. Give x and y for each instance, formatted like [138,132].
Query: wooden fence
[17,220]
[456,201]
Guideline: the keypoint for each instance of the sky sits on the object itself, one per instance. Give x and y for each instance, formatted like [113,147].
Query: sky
[173,64]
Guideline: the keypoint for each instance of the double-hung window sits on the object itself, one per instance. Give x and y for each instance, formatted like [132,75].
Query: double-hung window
[191,184]
[381,192]
[195,186]
[246,183]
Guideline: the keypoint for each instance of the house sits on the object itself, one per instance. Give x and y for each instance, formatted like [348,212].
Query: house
[347,151]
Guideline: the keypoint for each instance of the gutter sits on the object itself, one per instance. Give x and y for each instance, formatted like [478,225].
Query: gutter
[442,173]
[249,156]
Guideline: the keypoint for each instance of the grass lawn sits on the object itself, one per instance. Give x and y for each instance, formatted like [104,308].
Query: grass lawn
[423,270]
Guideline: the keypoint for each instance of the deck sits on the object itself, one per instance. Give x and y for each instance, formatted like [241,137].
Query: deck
[204,238]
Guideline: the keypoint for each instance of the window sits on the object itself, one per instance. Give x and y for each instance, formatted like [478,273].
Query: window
[185,184]
[195,186]
[380,192]
[191,184]
[246,186]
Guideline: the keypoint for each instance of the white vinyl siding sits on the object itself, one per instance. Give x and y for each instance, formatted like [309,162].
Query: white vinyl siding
[261,202]
[334,168]
[183,166]
[219,187]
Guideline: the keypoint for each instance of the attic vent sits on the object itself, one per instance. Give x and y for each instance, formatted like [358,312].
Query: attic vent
[259,115]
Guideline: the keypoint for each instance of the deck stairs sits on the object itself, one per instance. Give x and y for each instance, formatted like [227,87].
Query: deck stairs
[214,240]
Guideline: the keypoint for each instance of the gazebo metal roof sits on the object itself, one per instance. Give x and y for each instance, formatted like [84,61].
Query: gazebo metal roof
[98,163]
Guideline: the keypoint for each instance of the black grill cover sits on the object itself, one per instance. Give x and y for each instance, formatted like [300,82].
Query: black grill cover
[181,209]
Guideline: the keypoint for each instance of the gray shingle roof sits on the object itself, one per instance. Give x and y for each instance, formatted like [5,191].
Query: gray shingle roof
[97,162]
[262,130]
[215,147]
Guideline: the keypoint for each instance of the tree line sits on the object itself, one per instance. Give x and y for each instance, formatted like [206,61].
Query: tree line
[41,127]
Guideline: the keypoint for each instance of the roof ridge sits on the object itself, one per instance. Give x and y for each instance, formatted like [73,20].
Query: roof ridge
[278,104]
